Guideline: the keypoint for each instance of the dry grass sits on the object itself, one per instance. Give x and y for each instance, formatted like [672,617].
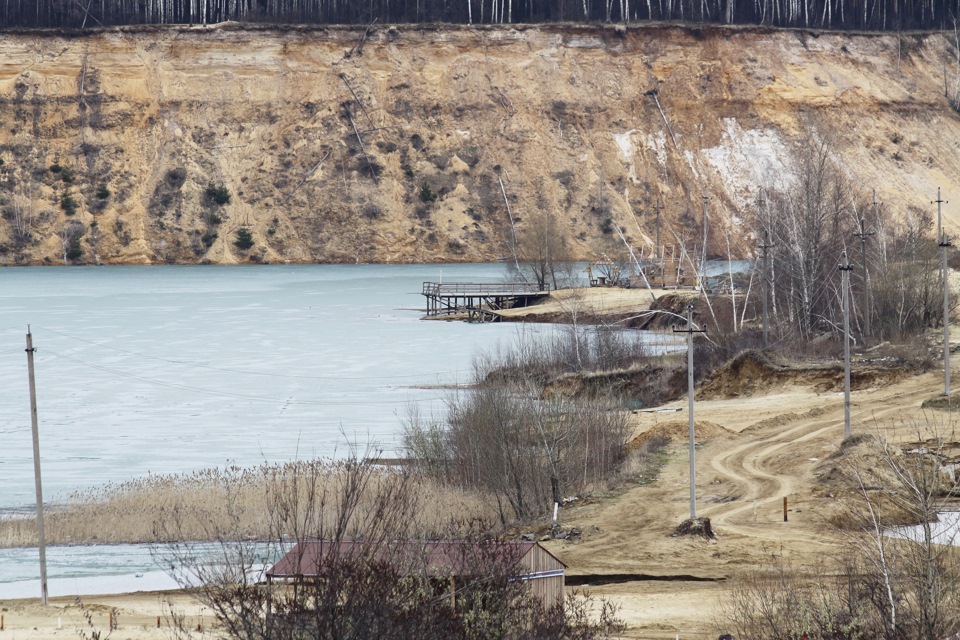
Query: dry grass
[215,503]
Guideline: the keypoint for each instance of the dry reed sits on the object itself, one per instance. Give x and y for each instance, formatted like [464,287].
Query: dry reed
[219,502]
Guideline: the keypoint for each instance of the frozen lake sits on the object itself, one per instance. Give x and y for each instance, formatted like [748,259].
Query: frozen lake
[167,369]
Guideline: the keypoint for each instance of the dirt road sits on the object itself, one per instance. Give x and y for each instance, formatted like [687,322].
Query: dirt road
[765,449]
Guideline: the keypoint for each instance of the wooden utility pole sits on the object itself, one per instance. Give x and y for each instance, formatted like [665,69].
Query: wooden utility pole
[693,451]
[845,269]
[42,543]
[944,245]
[863,235]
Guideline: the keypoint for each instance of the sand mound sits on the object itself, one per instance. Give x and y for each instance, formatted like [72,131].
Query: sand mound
[752,373]
[678,430]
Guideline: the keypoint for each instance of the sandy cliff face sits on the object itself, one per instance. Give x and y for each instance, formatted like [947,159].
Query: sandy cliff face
[332,154]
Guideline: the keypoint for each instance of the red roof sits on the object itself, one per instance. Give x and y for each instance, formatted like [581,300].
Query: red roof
[435,558]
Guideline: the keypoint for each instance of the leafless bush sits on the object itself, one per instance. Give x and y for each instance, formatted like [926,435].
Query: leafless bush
[779,603]
[572,348]
[528,451]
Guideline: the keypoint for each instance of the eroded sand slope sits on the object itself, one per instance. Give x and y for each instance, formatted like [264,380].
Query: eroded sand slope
[326,150]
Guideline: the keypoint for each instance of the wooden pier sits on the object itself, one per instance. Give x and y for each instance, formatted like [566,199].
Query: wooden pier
[477,300]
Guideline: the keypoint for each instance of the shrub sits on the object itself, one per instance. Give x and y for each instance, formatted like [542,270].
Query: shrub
[103,192]
[217,194]
[68,203]
[176,177]
[372,211]
[208,239]
[74,250]
[244,239]
[426,193]
[56,168]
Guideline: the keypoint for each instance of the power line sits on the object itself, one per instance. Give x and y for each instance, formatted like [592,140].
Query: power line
[228,369]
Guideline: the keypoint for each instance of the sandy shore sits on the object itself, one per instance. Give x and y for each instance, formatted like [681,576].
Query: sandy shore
[651,609]
[136,615]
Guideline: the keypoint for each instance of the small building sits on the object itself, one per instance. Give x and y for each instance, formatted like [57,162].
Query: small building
[455,561]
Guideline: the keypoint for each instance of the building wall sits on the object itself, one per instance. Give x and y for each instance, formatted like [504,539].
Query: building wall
[548,589]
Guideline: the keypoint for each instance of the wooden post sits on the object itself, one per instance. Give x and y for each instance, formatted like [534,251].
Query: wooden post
[784,508]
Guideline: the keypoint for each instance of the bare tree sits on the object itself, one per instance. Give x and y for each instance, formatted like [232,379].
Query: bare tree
[70,233]
[544,254]
[21,214]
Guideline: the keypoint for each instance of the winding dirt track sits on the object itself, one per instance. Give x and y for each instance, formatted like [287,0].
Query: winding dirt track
[773,445]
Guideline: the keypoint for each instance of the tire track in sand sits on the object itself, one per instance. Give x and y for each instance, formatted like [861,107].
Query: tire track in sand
[751,465]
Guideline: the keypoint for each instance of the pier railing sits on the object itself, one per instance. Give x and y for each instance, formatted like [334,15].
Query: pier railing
[440,289]
[479,300]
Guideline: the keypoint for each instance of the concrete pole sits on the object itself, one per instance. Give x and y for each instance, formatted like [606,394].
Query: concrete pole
[693,449]
[944,275]
[42,543]
[845,284]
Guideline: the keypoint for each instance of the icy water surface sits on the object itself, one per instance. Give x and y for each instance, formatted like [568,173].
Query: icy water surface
[168,369]
[172,368]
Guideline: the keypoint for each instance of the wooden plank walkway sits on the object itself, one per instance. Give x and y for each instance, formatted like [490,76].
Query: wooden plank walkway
[478,299]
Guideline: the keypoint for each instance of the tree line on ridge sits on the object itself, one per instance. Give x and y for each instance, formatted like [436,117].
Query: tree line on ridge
[876,15]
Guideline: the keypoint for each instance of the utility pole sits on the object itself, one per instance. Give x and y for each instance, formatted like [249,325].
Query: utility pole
[944,245]
[693,451]
[863,235]
[765,247]
[36,469]
[845,269]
